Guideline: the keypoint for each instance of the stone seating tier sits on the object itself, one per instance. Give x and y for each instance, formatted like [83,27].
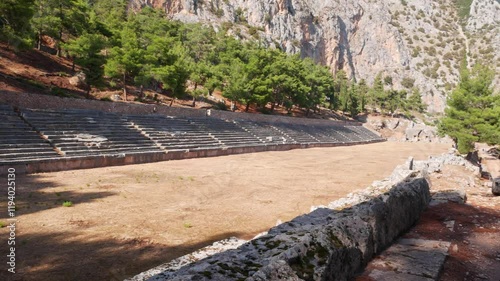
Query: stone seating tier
[32,135]
[18,140]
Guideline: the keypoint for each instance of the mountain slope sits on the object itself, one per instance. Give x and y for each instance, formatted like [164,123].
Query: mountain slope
[420,42]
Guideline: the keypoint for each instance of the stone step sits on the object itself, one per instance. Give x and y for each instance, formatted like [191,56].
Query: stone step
[16,131]
[409,259]
[84,127]
[246,144]
[234,136]
[22,135]
[28,154]
[104,146]
[180,134]
[34,139]
[110,151]
[110,138]
[200,141]
[21,145]
[140,142]
[25,150]
[189,146]
[27,159]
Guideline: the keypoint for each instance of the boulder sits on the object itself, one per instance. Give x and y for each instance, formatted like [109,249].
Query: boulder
[79,80]
[495,188]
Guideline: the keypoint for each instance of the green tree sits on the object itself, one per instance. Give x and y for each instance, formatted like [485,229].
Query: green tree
[363,91]
[56,18]
[112,13]
[86,51]
[378,96]
[341,88]
[395,100]
[473,113]
[414,101]
[125,61]
[15,16]
[320,82]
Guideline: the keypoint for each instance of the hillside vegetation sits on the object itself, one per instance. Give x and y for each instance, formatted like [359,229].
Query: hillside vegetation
[151,52]
[392,57]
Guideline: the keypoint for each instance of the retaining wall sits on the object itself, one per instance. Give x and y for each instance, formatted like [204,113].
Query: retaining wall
[325,244]
[25,100]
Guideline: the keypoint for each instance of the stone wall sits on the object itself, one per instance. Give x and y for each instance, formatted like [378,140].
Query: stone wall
[326,244]
[33,101]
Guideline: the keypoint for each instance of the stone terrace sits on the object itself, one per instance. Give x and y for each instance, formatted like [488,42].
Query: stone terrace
[30,136]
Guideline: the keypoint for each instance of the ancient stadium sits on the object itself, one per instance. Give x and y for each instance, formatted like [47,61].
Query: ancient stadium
[117,207]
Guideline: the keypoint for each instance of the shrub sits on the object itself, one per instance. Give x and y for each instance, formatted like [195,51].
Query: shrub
[67,204]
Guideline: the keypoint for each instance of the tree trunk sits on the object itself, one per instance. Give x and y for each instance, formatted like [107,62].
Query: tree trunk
[194,94]
[39,47]
[141,92]
[273,104]
[88,91]
[247,107]
[124,86]
[60,31]
[171,102]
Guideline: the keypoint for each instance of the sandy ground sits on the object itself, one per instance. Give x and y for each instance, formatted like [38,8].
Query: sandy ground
[127,219]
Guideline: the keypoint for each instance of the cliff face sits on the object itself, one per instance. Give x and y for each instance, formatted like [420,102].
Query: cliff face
[417,39]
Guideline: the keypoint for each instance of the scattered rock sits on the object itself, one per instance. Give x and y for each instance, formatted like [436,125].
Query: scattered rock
[79,80]
[445,196]
[450,225]
[495,189]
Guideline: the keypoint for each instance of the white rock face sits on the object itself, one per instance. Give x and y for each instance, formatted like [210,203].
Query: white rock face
[483,12]
[484,24]
[417,39]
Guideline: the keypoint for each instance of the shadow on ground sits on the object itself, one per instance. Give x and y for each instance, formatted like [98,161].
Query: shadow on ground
[474,238]
[51,257]
[33,195]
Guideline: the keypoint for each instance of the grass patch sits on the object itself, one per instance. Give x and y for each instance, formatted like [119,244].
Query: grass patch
[463,7]
[67,204]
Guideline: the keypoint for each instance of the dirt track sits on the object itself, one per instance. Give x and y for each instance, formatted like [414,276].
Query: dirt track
[127,219]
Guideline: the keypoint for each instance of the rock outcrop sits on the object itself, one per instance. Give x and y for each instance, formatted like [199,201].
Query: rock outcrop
[420,41]
[405,130]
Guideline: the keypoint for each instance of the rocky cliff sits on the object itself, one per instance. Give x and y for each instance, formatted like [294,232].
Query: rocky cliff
[421,40]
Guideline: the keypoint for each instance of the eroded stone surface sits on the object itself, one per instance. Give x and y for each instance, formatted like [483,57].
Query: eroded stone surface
[322,244]
[422,258]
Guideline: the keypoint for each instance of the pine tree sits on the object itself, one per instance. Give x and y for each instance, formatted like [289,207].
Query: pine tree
[363,91]
[56,18]
[125,61]
[473,113]
[15,16]
[414,101]
[341,88]
[86,51]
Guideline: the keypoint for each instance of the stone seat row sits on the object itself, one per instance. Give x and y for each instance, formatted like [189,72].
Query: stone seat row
[35,134]
[18,141]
